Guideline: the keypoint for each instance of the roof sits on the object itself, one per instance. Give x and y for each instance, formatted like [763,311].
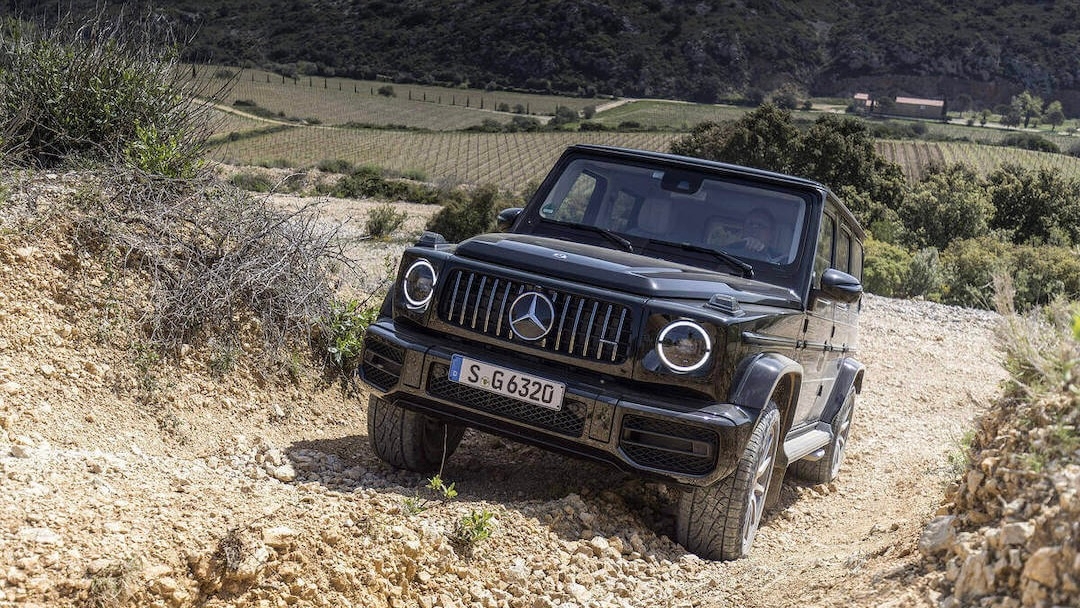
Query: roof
[915,101]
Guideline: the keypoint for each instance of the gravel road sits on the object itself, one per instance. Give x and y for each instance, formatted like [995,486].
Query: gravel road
[256,490]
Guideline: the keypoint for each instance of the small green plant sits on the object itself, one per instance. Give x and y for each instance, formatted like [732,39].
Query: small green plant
[960,458]
[383,220]
[346,326]
[471,530]
[437,488]
[156,152]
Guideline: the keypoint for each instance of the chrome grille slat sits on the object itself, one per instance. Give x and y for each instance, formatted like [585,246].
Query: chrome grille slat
[480,302]
[618,334]
[479,294]
[491,300]
[562,321]
[453,296]
[502,309]
[603,333]
[589,328]
[465,300]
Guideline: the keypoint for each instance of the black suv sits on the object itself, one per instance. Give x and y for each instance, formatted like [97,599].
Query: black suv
[689,321]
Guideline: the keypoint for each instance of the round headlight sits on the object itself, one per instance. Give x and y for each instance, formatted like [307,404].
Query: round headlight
[419,283]
[683,346]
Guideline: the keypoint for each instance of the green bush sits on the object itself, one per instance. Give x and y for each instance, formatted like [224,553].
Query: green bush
[252,182]
[105,90]
[1043,274]
[463,217]
[886,268]
[925,277]
[384,220]
[1030,141]
[345,333]
[336,165]
[970,266]
[368,182]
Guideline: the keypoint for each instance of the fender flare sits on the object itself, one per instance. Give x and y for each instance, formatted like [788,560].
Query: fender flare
[759,377]
[849,377]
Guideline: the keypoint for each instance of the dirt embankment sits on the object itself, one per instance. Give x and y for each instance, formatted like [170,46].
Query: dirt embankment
[132,481]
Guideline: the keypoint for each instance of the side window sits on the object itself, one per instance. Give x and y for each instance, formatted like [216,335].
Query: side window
[856,259]
[843,251]
[823,257]
[572,207]
[622,211]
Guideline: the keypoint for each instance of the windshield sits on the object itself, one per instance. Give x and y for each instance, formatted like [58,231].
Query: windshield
[649,204]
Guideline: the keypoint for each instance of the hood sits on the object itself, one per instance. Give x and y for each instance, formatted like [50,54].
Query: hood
[618,270]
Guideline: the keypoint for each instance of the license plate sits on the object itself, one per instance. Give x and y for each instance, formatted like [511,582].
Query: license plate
[507,382]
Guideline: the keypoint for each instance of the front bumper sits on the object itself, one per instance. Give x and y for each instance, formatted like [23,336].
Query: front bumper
[601,418]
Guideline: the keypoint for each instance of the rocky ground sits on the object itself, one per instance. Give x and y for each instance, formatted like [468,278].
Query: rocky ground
[126,480]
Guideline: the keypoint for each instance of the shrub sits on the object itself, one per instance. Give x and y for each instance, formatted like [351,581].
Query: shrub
[387,91]
[217,259]
[105,90]
[464,217]
[384,220]
[335,165]
[345,330]
[970,266]
[1030,141]
[886,268]
[252,182]
[924,276]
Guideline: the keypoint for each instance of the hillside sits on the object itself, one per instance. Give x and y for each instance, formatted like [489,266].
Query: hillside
[675,49]
[130,481]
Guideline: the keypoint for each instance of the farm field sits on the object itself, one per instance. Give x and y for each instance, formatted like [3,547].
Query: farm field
[427,137]
[510,160]
[914,157]
[337,101]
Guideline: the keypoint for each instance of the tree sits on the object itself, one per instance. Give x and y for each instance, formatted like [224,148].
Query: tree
[1035,206]
[948,203]
[765,138]
[1029,106]
[839,152]
[962,103]
[1054,115]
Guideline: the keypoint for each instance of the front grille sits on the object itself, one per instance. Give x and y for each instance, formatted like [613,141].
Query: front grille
[381,363]
[570,420]
[583,327]
[668,446]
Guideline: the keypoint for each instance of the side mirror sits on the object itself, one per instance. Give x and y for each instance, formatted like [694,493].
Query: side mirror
[840,286]
[507,217]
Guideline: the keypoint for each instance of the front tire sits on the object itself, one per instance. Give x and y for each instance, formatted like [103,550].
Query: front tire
[827,468]
[410,440]
[720,521]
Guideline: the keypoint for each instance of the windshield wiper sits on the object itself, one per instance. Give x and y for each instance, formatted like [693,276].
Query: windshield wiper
[725,257]
[604,232]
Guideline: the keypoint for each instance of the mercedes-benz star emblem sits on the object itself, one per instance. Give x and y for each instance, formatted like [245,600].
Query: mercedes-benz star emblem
[531,316]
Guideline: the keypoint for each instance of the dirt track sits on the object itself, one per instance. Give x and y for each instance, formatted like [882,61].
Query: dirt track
[248,491]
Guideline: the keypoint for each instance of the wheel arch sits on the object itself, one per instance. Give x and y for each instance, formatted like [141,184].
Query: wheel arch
[768,376]
[850,377]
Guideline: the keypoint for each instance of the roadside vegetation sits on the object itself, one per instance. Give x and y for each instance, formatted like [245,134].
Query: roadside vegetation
[221,266]
[1010,536]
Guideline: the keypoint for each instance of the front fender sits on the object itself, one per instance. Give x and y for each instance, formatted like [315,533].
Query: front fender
[764,375]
